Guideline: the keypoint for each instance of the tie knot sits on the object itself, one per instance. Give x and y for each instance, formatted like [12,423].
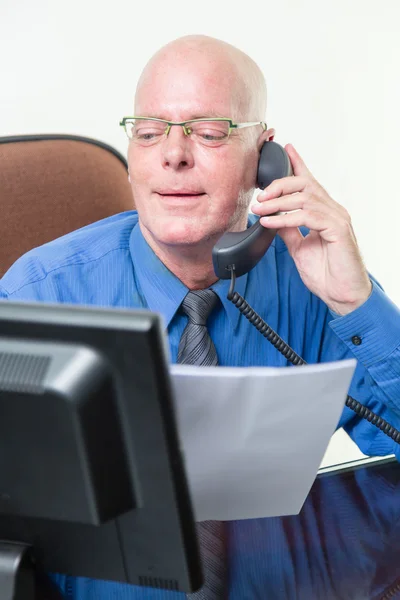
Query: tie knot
[197,305]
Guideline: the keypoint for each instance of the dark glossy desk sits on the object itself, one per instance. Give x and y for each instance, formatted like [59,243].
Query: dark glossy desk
[344,544]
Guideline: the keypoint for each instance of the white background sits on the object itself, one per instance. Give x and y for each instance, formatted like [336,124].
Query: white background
[332,69]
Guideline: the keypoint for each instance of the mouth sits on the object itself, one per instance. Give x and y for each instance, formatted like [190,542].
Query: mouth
[180,193]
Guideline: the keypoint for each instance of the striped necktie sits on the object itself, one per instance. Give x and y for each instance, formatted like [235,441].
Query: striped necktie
[197,348]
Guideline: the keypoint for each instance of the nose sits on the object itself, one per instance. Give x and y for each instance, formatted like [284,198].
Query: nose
[177,150]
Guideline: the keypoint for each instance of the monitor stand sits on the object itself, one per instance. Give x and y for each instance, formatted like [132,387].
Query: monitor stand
[20,578]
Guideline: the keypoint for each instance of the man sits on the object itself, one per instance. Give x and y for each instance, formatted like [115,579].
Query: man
[192,183]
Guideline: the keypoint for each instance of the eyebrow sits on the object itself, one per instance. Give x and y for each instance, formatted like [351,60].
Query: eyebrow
[197,116]
[212,115]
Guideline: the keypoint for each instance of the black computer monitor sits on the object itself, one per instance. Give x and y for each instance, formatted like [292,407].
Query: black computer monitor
[92,476]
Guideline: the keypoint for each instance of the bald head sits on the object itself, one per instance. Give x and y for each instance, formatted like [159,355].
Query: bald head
[217,60]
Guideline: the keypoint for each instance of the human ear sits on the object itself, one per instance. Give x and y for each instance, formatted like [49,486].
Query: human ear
[266,136]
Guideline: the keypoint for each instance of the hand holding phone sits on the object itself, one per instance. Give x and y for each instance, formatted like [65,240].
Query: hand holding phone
[327,258]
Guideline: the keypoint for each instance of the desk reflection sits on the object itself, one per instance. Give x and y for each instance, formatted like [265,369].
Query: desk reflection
[344,544]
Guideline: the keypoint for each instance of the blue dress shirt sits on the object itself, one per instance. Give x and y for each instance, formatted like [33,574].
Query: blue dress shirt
[110,264]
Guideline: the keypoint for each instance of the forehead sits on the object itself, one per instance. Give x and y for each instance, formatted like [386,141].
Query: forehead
[179,89]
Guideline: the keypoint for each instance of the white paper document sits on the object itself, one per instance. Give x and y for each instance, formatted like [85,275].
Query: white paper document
[254,437]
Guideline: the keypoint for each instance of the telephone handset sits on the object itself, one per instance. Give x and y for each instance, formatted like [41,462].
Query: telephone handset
[245,248]
[236,253]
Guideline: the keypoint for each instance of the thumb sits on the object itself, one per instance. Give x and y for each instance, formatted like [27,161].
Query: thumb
[292,237]
[298,164]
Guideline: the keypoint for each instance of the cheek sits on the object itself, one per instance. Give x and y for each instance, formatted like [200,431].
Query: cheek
[249,174]
[229,177]
[139,166]
[140,171]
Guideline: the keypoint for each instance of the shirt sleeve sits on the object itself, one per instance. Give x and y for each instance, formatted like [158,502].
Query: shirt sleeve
[28,281]
[372,335]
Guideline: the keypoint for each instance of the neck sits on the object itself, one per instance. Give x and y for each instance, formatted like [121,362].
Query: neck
[192,264]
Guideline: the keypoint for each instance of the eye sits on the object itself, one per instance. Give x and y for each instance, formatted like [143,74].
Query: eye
[148,131]
[210,132]
[212,135]
[146,135]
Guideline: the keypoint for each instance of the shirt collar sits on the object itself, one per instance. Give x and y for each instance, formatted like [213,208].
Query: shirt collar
[163,291]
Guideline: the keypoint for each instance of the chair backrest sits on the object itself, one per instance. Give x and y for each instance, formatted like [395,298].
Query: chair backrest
[53,184]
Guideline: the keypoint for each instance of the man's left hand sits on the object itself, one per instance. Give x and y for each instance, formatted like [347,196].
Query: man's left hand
[328,258]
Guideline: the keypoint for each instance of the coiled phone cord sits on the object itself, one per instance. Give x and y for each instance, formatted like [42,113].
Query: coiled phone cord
[295,359]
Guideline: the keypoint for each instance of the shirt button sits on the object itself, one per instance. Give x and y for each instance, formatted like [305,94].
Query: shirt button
[356,340]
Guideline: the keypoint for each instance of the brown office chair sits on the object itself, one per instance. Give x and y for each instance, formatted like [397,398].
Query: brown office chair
[53,184]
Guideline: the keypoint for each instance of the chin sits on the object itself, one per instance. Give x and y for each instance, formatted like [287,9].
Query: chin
[182,231]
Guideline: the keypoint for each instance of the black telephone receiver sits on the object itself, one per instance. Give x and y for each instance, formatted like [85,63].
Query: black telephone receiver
[236,253]
[244,249]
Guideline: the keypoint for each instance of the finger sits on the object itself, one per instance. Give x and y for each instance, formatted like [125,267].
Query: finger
[292,237]
[279,187]
[316,221]
[301,200]
[284,203]
[316,199]
[298,164]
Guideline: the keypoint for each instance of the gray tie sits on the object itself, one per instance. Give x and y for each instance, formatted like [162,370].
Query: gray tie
[197,348]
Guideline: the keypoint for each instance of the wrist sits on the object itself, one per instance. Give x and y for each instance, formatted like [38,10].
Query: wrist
[344,308]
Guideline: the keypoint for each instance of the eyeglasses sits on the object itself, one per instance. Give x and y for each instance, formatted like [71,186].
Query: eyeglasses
[147,131]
